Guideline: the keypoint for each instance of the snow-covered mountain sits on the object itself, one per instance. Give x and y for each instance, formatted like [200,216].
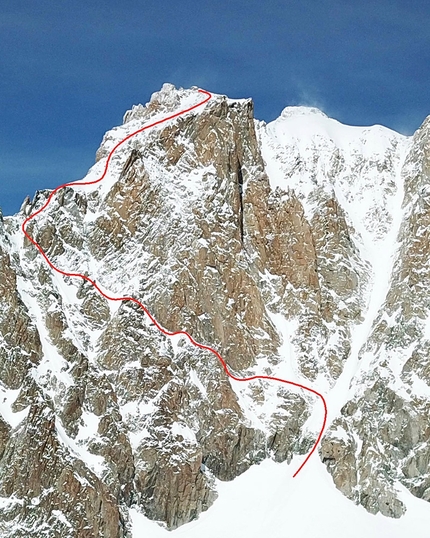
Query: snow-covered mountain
[298,249]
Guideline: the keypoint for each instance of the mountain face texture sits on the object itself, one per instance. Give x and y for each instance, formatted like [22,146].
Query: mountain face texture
[297,249]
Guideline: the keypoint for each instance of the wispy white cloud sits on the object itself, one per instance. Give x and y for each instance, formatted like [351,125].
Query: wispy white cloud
[309,94]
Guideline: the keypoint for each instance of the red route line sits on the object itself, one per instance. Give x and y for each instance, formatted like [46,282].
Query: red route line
[154,321]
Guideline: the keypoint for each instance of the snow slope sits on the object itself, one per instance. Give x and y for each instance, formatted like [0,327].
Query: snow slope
[267,501]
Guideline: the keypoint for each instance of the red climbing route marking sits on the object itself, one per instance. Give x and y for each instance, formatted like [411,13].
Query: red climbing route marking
[132,299]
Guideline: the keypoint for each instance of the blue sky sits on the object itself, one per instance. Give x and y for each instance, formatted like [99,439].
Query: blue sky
[70,69]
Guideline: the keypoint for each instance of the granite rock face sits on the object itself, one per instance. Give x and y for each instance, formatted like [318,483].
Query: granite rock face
[297,249]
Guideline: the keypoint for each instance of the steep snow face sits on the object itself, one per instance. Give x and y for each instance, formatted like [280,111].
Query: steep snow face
[318,157]
[275,244]
[305,150]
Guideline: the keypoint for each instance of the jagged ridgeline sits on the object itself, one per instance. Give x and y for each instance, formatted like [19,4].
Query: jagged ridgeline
[297,249]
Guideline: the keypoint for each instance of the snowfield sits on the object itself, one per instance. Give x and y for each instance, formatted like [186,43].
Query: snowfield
[267,502]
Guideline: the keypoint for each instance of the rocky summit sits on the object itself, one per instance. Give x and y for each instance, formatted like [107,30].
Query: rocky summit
[297,249]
